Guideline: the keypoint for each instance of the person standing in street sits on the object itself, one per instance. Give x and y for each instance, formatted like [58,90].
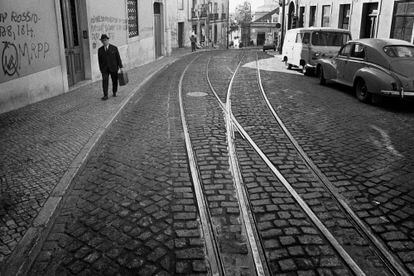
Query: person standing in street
[109,64]
[193,43]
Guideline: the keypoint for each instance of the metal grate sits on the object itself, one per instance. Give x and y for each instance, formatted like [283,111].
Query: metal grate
[133,18]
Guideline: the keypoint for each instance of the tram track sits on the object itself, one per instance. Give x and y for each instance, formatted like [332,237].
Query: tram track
[232,121]
[262,266]
[392,262]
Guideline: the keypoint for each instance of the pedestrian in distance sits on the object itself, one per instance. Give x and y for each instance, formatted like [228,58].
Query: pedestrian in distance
[193,43]
[109,64]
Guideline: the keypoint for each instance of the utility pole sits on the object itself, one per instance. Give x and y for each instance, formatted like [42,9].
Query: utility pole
[282,36]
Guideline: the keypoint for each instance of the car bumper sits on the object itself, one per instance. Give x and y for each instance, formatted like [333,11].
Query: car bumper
[310,67]
[268,47]
[394,93]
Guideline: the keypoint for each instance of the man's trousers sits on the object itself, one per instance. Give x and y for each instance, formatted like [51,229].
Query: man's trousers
[105,82]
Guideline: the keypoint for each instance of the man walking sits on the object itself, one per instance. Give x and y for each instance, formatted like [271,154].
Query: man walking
[109,63]
[193,43]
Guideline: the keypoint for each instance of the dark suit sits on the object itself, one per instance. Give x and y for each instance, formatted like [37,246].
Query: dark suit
[109,63]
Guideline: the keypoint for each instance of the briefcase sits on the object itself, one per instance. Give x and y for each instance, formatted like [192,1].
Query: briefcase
[122,78]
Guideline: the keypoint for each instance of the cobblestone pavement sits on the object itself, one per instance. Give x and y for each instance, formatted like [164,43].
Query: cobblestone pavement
[291,241]
[366,151]
[132,210]
[39,142]
[207,130]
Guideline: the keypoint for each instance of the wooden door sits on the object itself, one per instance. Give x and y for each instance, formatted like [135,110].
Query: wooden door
[72,41]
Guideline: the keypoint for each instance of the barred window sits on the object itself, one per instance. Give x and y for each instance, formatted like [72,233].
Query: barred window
[133,18]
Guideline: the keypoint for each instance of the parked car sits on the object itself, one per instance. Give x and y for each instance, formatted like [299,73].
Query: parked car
[269,46]
[372,66]
[303,47]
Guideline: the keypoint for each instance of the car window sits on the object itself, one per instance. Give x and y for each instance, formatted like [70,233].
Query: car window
[358,51]
[324,38]
[306,38]
[399,51]
[303,38]
[345,50]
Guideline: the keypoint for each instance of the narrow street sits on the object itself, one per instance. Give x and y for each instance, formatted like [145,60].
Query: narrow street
[195,176]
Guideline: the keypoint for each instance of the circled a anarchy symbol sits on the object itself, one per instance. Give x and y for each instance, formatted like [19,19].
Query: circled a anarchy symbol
[9,58]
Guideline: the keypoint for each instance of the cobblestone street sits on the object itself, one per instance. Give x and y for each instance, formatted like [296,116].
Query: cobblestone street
[120,177]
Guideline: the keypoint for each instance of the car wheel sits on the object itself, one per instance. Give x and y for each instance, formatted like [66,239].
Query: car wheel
[305,70]
[287,65]
[322,79]
[361,91]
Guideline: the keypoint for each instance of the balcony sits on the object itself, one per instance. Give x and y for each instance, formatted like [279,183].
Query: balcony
[194,13]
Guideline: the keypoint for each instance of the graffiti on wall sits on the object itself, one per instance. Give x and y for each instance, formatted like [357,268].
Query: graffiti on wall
[109,25]
[19,47]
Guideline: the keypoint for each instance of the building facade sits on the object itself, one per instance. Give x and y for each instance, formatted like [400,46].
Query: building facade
[364,18]
[264,27]
[210,21]
[48,47]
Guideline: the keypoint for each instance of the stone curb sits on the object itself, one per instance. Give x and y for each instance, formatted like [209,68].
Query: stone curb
[20,261]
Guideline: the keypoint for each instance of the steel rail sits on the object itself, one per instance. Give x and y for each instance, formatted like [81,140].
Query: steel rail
[331,239]
[327,234]
[216,264]
[390,260]
[247,217]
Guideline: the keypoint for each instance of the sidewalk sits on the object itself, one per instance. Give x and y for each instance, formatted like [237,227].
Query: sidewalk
[43,145]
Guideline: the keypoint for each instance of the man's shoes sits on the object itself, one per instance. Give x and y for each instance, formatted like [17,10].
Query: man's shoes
[104,98]
[114,94]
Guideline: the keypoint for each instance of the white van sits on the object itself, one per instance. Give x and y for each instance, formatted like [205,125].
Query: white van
[302,47]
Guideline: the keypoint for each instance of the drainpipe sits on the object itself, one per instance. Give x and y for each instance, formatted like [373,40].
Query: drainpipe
[351,13]
[228,24]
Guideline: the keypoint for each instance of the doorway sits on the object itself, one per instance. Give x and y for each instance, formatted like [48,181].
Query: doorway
[158,30]
[215,34]
[180,34]
[291,14]
[261,38]
[72,41]
[369,20]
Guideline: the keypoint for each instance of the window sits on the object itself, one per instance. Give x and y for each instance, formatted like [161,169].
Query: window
[133,29]
[303,38]
[312,16]
[403,21]
[326,12]
[346,50]
[301,16]
[180,4]
[358,52]
[344,14]
[399,51]
[325,38]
